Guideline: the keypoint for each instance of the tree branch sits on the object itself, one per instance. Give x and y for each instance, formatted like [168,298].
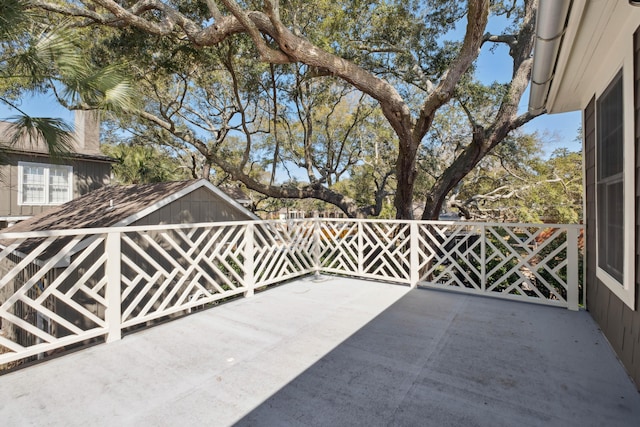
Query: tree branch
[508,39]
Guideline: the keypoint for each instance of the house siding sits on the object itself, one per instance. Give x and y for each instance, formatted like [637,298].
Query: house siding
[87,176]
[619,323]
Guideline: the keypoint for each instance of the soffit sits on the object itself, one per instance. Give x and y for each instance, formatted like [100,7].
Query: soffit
[590,51]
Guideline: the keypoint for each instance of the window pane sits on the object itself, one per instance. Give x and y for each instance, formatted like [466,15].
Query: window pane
[610,130]
[614,254]
[33,186]
[58,185]
[610,180]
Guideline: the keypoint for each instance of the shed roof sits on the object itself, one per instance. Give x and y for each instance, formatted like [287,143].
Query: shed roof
[116,205]
[110,206]
[236,193]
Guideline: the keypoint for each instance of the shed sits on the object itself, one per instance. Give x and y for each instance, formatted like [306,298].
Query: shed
[78,300]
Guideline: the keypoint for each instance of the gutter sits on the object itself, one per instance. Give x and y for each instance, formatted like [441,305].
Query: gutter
[551,23]
[65,156]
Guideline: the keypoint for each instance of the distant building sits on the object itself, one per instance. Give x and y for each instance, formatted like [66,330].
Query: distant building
[292,213]
[31,182]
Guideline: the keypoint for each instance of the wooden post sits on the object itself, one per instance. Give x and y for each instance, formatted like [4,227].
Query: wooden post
[414,259]
[113,314]
[316,247]
[483,258]
[360,248]
[249,253]
[573,290]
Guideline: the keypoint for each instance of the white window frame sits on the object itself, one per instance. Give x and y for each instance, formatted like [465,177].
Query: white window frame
[624,290]
[47,169]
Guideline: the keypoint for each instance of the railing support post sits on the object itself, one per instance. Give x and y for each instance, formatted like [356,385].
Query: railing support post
[113,314]
[483,258]
[249,279]
[316,247]
[414,259]
[573,290]
[360,248]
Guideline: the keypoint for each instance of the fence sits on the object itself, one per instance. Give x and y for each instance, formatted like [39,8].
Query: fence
[60,289]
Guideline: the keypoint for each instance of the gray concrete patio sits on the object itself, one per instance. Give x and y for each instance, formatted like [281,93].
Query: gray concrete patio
[339,352]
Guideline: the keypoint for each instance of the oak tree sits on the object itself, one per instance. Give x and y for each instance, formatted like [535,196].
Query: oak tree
[402,55]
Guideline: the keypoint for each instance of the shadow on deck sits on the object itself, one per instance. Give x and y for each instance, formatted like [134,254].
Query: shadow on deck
[339,352]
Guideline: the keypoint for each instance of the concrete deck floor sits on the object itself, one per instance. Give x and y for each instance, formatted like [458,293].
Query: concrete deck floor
[339,352]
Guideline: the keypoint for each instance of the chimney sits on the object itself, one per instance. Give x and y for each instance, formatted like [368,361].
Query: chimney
[87,129]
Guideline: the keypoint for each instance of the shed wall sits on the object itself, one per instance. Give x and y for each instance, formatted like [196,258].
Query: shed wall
[201,205]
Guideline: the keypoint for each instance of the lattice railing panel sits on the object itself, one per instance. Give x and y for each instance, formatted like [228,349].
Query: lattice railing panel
[165,272]
[527,261]
[338,246]
[282,250]
[52,294]
[524,261]
[450,254]
[385,250]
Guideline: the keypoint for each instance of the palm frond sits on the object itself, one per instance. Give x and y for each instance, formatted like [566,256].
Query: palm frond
[57,47]
[106,88]
[13,17]
[55,133]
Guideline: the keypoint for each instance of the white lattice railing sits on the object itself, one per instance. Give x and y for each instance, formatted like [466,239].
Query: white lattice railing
[531,262]
[60,289]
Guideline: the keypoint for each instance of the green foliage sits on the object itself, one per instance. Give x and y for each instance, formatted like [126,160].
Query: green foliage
[142,164]
[36,55]
[517,184]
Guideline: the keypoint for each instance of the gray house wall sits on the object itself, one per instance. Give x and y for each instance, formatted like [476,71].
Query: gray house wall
[201,205]
[619,323]
[88,175]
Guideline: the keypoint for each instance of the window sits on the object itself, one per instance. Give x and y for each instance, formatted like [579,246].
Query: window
[610,180]
[42,184]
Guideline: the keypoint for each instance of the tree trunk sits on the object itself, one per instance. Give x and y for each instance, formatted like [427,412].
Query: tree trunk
[405,178]
[460,167]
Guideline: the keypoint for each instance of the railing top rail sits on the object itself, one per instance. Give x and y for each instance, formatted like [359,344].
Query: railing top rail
[120,229]
[464,223]
[9,235]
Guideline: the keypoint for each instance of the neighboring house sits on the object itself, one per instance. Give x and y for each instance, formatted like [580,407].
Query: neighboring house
[587,58]
[195,201]
[291,213]
[31,182]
